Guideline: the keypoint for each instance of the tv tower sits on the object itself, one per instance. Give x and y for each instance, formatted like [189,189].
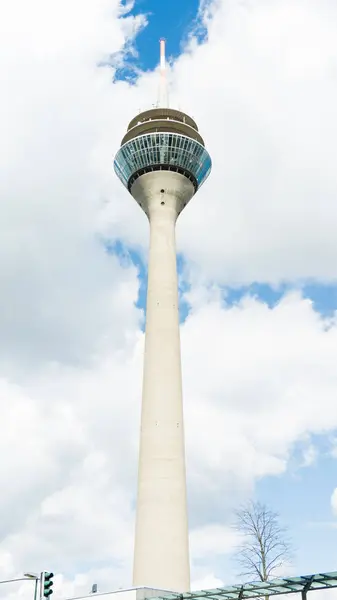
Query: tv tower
[162,162]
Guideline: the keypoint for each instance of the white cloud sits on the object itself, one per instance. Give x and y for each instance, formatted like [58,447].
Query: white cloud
[207,582]
[264,96]
[213,540]
[59,288]
[261,372]
[334,501]
[70,449]
[310,454]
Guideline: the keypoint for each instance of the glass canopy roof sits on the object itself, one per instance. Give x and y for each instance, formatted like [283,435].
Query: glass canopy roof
[256,589]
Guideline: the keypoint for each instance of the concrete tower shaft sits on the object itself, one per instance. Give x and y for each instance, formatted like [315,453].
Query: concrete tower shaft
[161,555]
[162,162]
[163,191]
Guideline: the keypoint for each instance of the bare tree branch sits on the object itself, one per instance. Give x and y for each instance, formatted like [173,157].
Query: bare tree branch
[264,548]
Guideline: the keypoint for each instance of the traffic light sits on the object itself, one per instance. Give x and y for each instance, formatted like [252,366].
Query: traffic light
[47,584]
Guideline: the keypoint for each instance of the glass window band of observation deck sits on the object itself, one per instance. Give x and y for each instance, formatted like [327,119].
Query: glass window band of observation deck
[162,126]
[162,150]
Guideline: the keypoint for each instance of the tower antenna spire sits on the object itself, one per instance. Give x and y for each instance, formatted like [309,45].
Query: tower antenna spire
[163,86]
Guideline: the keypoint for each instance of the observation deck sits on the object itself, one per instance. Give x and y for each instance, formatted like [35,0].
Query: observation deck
[162,139]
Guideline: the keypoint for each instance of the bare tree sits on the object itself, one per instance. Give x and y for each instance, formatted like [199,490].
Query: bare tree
[265,548]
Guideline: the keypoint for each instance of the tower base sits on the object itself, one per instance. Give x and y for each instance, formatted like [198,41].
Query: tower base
[141,593]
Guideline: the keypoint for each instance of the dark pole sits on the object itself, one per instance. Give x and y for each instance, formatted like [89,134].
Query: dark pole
[307,588]
[35,591]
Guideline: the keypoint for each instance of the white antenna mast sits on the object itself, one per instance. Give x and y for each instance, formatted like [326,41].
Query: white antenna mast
[163,89]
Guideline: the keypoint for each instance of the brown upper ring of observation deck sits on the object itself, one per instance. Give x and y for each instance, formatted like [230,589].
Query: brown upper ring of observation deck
[159,120]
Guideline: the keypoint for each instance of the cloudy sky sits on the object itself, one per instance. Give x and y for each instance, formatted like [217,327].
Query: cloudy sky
[257,261]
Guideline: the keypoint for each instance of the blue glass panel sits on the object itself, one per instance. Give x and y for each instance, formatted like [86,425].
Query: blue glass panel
[162,148]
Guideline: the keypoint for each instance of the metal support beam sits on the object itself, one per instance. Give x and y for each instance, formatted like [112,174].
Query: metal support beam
[307,588]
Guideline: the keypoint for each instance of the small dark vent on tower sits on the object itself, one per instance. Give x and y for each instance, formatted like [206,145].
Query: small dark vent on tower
[160,120]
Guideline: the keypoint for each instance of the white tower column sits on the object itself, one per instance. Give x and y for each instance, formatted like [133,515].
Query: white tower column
[161,558]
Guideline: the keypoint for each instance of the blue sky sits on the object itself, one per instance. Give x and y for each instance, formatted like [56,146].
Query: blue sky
[172,21]
[301,495]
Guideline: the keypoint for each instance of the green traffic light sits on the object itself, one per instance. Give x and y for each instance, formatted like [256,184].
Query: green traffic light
[47,584]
